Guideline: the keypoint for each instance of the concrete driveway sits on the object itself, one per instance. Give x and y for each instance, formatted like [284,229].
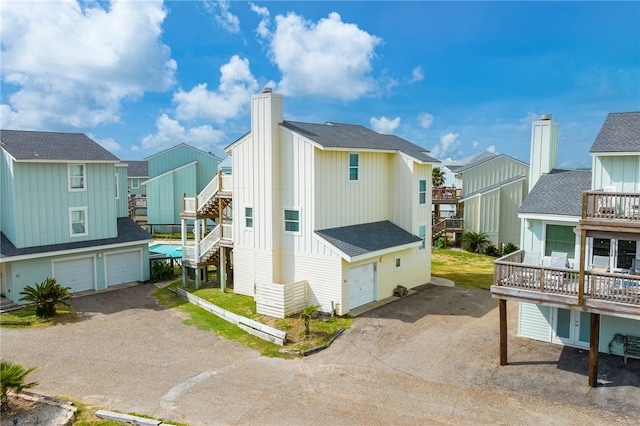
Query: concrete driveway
[429,358]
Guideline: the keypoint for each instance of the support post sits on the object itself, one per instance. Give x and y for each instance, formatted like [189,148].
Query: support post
[222,270]
[583,262]
[196,249]
[594,341]
[502,304]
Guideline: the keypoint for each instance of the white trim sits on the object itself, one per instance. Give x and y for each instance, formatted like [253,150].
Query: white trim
[135,179]
[248,228]
[426,191]
[364,256]
[423,246]
[550,218]
[170,171]
[397,263]
[181,145]
[45,160]
[67,259]
[357,167]
[284,222]
[72,251]
[86,224]
[84,177]
[117,175]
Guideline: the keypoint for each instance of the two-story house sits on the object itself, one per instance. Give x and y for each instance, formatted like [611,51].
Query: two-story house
[181,169]
[487,192]
[338,206]
[63,206]
[576,277]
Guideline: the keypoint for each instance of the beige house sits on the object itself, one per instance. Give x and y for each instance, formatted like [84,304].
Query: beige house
[338,207]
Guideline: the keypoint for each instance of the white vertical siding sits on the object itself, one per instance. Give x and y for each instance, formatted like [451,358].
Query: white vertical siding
[491,173]
[511,198]
[534,322]
[544,149]
[415,270]
[618,171]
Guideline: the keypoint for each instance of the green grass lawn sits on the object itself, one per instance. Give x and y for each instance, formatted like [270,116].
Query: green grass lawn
[463,268]
[321,329]
[64,315]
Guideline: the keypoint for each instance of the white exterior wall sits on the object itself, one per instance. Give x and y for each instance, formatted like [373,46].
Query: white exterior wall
[491,173]
[511,198]
[622,171]
[544,149]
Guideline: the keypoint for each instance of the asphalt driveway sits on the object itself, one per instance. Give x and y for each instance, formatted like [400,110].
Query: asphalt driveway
[429,358]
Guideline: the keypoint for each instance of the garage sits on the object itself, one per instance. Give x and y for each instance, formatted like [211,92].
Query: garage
[77,274]
[362,284]
[124,267]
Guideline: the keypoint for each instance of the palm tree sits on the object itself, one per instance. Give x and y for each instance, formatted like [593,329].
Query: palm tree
[45,296]
[306,316]
[12,379]
[437,177]
[475,241]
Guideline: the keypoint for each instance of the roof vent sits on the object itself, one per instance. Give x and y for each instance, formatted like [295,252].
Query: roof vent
[545,117]
[266,90]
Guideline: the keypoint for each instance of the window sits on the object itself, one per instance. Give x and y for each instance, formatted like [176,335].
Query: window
[561,239]
[398,263]
[422,233]
[135,183]
[78,221]
[117,188]
[422,192]
[354,159]
[248,217]
[76,177]
[292,220]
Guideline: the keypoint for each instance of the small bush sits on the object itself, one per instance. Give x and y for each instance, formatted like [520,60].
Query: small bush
[12,378]
[45,296]
[441,242]
[491,250]
[509,248]
[161,270]
[475,242]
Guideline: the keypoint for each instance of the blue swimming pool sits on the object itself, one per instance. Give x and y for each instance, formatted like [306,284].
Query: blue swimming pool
[165,250]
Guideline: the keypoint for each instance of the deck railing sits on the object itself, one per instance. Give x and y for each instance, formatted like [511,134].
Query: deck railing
[221,182]
[446,193]
[213,238]
[447,225]
[602,286]
[611,205]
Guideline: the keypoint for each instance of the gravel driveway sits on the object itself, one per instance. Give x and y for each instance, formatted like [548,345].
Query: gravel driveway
[429,358]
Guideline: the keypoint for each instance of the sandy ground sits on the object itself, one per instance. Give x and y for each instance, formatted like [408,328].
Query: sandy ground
[429,358]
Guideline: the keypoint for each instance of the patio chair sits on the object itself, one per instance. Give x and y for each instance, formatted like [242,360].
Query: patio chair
[532,258]
[599,264]
[607,203]
[555,279]
[559,260]
[635,267]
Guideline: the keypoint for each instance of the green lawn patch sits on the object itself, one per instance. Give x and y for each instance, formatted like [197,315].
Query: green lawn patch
[322,328]
[64,315]
[466,269]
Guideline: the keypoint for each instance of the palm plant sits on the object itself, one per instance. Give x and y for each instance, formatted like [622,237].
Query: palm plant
[437,177]
[306,316]
[475,242]
[12,378]
[45,296]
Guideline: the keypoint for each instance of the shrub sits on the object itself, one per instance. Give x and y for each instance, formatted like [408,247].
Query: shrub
[306,316]
[441,242]
[161,270]
[475,242]
[12,378]
[45,296]
[491,250]
[509,248]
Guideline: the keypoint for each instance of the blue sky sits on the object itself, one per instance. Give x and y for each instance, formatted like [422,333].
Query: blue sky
[454,77]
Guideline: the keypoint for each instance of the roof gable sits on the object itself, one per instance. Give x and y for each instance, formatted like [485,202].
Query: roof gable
[25,145]
[356,137]
[619,133]
[137,169]
[180,146]
[485,157]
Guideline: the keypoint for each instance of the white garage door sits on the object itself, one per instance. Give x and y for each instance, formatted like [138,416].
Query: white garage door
[362,284]
[123,267]
[77,274]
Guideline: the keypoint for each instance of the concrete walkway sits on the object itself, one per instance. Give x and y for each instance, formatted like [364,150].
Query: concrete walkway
[428,358]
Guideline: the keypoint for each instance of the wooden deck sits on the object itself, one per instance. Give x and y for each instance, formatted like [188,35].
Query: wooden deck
[603,293]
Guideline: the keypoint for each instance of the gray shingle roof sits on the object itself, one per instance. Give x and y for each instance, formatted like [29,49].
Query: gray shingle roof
[619,133]
[360,239]
[558,193]
[137,169]
[30,145]
[128,231]
[353,136]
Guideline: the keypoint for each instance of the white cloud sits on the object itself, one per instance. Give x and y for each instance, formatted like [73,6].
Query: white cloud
[492,149]
[475,144]
[74,63]
[417,75]
[171,132]
[220,11]
[236,86]
[425,119]
[109,144]
[384,125]
[330,58]
[263,26]
[448,143]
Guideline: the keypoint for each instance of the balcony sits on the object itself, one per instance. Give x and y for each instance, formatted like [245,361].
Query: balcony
[606,211]
[446,195]
[615,294]
[447,226]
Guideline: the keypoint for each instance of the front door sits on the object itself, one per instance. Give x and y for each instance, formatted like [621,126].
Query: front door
[572,328]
